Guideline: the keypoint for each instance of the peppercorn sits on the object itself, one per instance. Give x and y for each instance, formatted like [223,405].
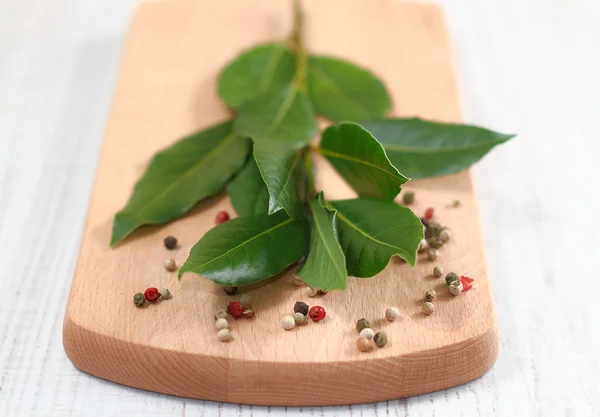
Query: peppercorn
[224,335]
[139,299]
[151,294]
[428,308]
[429,295]
[456,203]
[432,254]
[245,300]
[288,322]
[235,309]
[408,198]
[310,291]
[424,221]
[455,287]
[220,314]
[438,271]
[323,291]
[299,318]
[434,242]
[362,324]
[466,282]
[170,265]
[367,333]
[392,313]
[423,245]
[432,230]
[301,307]
[248,313]
[445,235]
[380,339]
[363,344]
[165,293]
[170,242]
[298,281]
[429,213]
[221,324]
[451,277]
[317,313]
[229,290]
[221,217]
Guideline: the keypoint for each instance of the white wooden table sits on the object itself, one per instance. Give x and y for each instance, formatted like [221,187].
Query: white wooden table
[530,67]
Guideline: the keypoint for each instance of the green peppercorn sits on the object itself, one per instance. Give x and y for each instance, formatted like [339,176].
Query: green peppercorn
[165,293]
[456,203]
[435,242]
[432,230]
[245,300]
[230,290]
[362,324]
[408,198]
[299,318]
[438,271]
[380,339]
[451,277]
[139,299]
[301,307]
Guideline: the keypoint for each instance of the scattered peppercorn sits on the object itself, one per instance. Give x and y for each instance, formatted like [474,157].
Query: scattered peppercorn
[380,339]
[229,290]
[429,213]
[434,242]
[445,235]
[221,324]
[170,242]
[221,217]
[362,324]
[310,291]
[438,271]
[151,294]
[424,221]
[301,307]
[363,344]
[428,308]
[408,198]
[432,254]
[456,203]
[165,293]
[220,314]
[323,291]
[288,322]
[235,309]
[245,300]
[139,299]
[392,313]
[455,287]
[224,335]
[423,245]
[466,282]
[429,295]
[248,313]
[170,265]
[451,277]
[433,230]
[317,313]
[367,333]
[299,318]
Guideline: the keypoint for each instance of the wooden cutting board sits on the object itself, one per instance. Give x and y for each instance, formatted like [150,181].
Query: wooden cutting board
[167,89]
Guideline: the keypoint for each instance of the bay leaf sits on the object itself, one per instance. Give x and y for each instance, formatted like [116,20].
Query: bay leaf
[255,72]
[343,91]
[421,148]
[361,161]
[248,249]
[194,168]
[371,231]
[325,265]
[248,192]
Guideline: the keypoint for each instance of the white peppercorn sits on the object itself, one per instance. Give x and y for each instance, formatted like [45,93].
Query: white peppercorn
[310,291]
[445,235]
[428,308]
[363,344]
[245,300]
[224,335]
[221,314]
[455,287]
[438,271]
[170,265]
[432,254]
[423,245]
[248,313]
[367,333]
[299,318]
[429,295]
[165,293]
[392,313]
[288,322]
[221,324]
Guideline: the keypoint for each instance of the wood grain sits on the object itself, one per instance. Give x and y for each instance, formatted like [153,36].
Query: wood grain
[167,89]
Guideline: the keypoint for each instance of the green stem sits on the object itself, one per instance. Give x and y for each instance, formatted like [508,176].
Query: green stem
[298,43]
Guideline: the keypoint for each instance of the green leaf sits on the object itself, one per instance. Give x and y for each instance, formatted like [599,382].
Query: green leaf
[361,161]
[248,249]
[342,91]
[248,192]
[421,148]
[279,123]
[256,72]
[194,168]
[325,266]
[371,231]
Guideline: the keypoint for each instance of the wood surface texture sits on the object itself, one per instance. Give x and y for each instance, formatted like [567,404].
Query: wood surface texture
[166,90]
[525,67]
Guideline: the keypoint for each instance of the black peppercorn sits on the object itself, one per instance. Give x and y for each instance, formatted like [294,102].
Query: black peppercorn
[301,307]
[230,290]
[408,198]
[170,242]
[451,277]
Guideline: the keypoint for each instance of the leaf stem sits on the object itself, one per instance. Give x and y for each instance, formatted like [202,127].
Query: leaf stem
[297,41]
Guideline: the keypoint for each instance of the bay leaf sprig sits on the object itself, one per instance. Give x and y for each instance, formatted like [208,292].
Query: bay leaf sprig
[263,158]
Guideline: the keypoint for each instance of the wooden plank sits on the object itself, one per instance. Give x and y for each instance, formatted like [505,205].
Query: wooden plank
[167,89]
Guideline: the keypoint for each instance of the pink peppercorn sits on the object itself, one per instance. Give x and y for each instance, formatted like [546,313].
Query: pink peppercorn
[466,282]
[317,313]
[429,213]
[222,217]
[151,294]
[235,309]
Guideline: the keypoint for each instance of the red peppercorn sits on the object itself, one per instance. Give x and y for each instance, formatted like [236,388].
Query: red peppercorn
[222,217]
[151,294]
[235,309]
[429,213]
[316,313]
[466,282]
